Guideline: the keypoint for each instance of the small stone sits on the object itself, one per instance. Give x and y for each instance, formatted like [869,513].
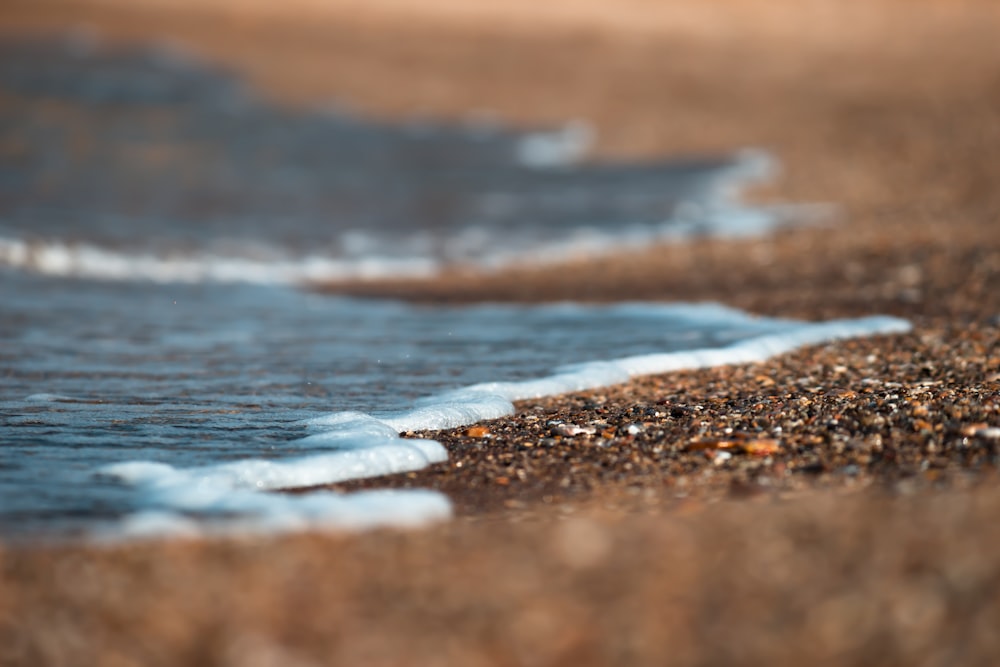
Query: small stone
[721,457]
[573,429]
[762,447]
[707,444]
[972,430]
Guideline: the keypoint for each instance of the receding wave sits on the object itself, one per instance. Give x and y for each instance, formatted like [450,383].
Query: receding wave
[185,175]
[712,209]
[190,400]
[157,394]
[356,445]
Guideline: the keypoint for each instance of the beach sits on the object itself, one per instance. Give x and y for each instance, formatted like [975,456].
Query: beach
[833,505]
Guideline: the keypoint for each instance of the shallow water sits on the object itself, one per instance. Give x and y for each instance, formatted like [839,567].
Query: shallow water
[142,163]
[161,371]
[198,376]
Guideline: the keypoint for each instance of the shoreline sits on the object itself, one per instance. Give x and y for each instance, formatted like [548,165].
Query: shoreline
[877,411]
[860,533]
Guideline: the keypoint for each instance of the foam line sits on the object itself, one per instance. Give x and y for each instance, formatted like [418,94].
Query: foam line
[564,146]
[494,399]
[285,514]
[85,260]
[229,498]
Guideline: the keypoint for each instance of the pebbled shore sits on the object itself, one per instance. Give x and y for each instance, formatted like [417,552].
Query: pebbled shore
[834,506]
[901,413]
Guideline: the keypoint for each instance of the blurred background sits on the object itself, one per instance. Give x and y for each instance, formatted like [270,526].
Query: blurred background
[889,109]
[820,81]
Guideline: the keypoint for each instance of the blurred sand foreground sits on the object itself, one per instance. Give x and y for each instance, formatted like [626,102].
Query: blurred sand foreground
[611,555]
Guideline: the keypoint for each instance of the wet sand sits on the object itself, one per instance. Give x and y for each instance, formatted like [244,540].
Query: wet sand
[831,506]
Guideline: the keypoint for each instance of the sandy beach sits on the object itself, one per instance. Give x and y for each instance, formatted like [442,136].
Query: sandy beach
[831,506]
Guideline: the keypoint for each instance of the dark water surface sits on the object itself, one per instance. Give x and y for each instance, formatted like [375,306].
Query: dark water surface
[118,160]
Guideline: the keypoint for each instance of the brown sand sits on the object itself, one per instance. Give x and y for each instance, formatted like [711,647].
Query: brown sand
[832,506]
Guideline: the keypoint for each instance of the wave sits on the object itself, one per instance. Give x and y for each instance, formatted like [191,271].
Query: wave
[357,445]
[713,208]
[187,176]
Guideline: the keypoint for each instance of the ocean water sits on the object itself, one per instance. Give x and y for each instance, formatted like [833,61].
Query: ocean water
[123,164]
[164,371]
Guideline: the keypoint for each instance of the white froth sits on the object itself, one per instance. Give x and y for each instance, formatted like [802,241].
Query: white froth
[83,260]
[495,399]
[284,514]
[560,147]
[49,398]
[230,498]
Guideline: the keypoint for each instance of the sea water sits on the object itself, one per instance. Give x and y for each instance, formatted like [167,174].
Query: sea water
[128,164]
[164,371]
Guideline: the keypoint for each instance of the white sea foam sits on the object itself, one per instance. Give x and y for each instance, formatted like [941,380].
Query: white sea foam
[229,498]
[285,513]
[49,398]
[560,147]
[85,260]
[353,445]
[495,399]
[198,489]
